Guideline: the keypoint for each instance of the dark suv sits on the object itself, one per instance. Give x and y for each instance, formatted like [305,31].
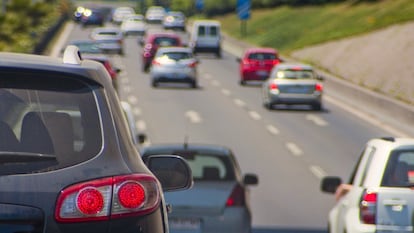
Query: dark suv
[67,160]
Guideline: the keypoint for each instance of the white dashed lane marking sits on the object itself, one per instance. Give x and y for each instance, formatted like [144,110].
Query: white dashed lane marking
[239,102]
[316,119]
[193,116]
[226,92]
[256,116]
[132,99]
[317,171]
[294,149]
[141,125]
[273,130]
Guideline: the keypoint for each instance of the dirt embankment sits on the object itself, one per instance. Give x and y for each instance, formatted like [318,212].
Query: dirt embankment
[381,61]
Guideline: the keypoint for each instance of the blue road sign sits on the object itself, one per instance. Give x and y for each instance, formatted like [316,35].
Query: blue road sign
[243,9]
[199,4]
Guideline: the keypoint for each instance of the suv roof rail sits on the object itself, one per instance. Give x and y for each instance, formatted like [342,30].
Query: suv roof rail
[390,139]
[72,55]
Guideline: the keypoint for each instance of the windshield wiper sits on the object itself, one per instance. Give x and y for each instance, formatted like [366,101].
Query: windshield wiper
[24,157]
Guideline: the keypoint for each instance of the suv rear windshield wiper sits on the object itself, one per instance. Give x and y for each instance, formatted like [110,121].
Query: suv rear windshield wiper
[7,157]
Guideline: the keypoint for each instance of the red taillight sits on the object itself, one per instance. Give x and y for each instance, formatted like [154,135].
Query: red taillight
[131,195]
[192,64]
[106,198]
[368,207]
[273,86]
[237,197]
[90,201]
[318,87]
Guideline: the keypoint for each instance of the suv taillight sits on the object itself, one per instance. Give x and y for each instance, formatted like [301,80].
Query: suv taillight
[368,207]
[237,197]
[112,197]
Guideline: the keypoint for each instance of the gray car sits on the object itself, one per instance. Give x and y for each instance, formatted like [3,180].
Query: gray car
[219,198]
[110,39]
[68,163]
[174,64]
[293,84]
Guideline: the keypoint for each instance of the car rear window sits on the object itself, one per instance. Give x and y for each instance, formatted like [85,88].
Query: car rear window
[177,55]
[46,122]
[400,169]
[166,41]
[262,56]
[294,74]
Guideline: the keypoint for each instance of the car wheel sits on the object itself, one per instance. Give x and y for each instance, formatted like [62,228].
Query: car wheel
[242,82]
[154,83]
[193,84]
[218,54]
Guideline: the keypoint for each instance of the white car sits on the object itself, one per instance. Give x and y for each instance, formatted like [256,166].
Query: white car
[134,24]
[379,195]
[155,14]
[120,13]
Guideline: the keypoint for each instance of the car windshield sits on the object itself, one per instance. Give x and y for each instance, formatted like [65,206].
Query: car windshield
[262,56]
[294,74]
[46,116]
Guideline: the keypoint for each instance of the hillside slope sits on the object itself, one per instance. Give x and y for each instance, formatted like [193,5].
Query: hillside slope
[380,61]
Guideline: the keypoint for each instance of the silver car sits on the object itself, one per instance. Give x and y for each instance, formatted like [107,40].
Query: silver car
[174,20]
[293,84]
[174,64]
[219,198]
[109,38]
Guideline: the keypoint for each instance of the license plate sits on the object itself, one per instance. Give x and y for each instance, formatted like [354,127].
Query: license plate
[184,223]
[262,73]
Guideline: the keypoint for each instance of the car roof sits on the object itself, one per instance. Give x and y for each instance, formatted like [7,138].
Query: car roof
[206,148]
[39,63]
[207,21]
[260,50]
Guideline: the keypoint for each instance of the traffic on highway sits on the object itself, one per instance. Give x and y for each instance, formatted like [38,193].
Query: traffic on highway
[265,155]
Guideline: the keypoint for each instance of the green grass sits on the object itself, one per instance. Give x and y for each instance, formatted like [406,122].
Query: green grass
[288,28]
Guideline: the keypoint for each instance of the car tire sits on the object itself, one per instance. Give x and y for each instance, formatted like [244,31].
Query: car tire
[193,84]
[154,83]
[218,53]
[267,105]
[242,82]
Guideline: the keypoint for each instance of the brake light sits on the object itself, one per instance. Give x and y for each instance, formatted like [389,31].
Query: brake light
[273,86]
[237,197]
[107,198]
[246,63]
[192,64]
[367,207]
[319,87]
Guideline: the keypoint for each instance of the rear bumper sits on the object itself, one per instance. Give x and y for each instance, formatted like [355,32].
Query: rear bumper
[295,99]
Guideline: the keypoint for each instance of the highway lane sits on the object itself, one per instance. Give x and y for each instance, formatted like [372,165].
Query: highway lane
[290,149]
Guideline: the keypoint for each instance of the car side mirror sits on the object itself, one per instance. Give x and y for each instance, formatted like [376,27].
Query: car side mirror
[250,179]
[172,171]
[329,184]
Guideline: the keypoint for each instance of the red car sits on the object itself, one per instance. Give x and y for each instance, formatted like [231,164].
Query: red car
[155,40]
[256,64]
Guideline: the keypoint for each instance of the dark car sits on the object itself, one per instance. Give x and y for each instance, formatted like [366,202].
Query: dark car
[155,40]
[92,17]
[219,199]
[68,163]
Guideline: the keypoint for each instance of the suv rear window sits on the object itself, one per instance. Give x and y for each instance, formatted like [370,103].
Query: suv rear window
[46,122]
[400,169]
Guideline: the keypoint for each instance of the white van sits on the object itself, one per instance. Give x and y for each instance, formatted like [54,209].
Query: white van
[206,37]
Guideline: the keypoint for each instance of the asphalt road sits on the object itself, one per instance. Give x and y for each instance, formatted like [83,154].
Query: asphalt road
[290,148]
